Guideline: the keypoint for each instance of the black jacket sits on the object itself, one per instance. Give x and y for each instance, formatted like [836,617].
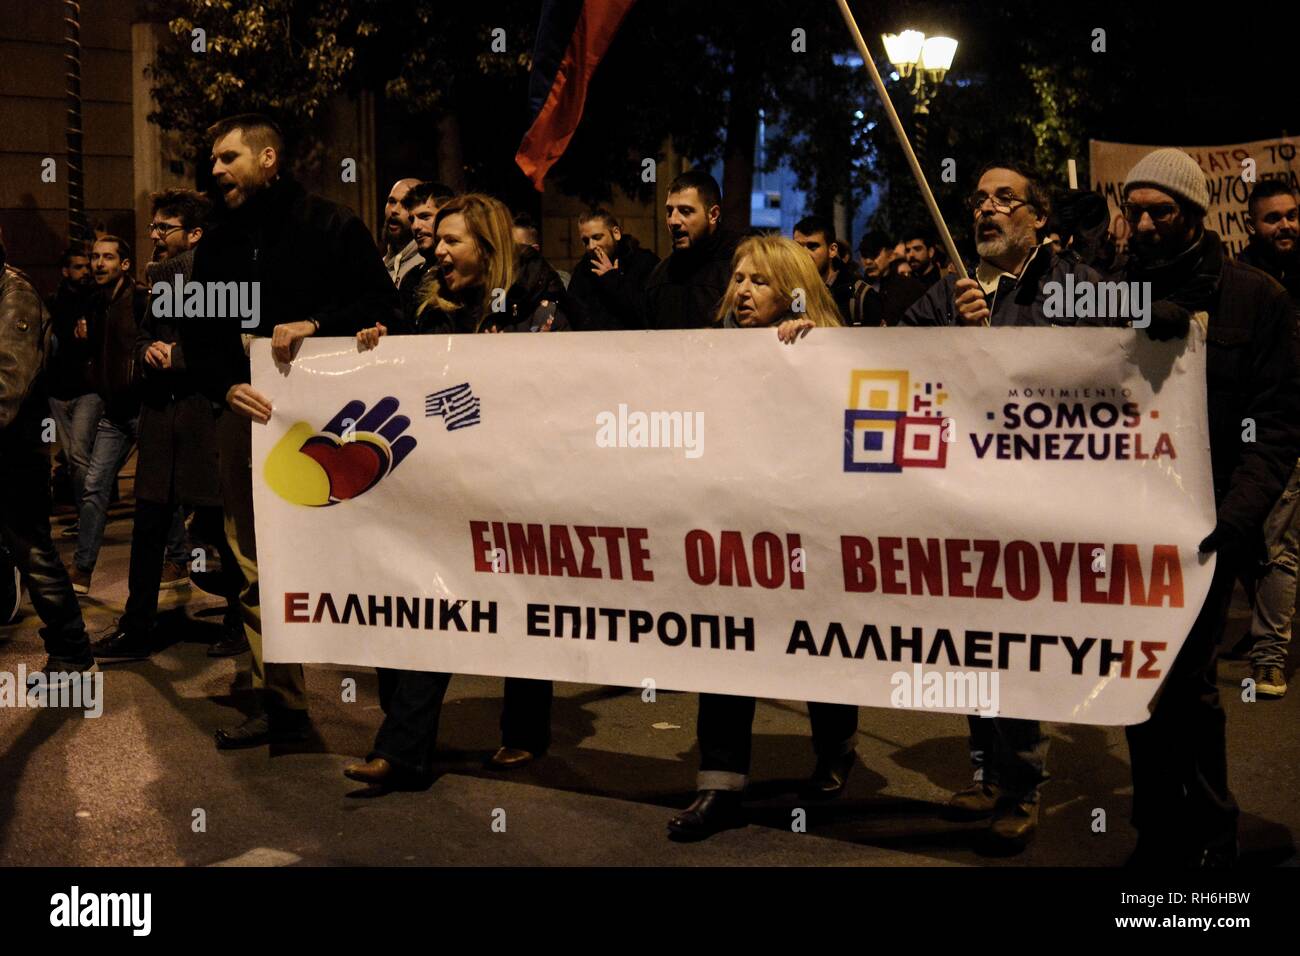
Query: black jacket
[314,260]
[69,370]
[113,330]
[1252,372]
[684,290]
[611,301]
[1284,270]
[535,282]
[178,446]
[1014,302]
[886,305]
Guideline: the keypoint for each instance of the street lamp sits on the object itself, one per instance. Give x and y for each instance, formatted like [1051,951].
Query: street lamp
[926,60]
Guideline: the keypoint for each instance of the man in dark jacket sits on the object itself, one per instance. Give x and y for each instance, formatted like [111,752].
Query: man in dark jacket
[1182,806]
[817,235]
[74,405]
[609,280]
[684,290]
[115,319]
[1274,224]
[422,202]
[25,473]
[318,272]
[884,293]
[1013,280]
[178,453]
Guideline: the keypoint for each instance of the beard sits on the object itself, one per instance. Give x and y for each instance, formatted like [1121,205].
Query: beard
[1011,238]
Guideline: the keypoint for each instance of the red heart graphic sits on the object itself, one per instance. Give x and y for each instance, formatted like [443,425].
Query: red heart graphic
[352,467]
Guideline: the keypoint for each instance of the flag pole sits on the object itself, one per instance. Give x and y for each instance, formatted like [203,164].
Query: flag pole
[926,194]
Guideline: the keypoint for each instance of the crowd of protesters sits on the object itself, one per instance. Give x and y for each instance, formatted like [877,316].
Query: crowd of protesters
[112,375]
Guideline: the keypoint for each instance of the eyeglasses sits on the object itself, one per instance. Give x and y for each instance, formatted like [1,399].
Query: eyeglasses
[1004,203]
[1159,212]
[164,229]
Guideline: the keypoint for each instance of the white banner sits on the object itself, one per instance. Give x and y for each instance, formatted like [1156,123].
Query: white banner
[892,517]
[1230,173]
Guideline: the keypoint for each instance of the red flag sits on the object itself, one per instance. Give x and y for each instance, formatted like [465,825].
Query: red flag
[559,95]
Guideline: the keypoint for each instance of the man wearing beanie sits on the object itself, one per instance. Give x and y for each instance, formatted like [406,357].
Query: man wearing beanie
[1182,808]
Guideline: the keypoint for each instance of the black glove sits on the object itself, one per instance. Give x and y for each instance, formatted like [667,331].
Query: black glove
[1222,538]
[1168,321]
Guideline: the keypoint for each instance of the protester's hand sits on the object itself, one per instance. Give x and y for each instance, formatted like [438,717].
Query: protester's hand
[159,355]
[1168,321]
[972,306]
[791,330]
[286,338]
[368,339]
[1231,546]
[247,401]
[80,330]
[602,264]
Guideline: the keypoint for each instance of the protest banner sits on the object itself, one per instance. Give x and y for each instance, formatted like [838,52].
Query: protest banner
[1230,173]
[714,511]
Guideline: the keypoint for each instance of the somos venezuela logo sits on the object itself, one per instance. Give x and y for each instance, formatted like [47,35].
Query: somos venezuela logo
[345,459]
[893,423]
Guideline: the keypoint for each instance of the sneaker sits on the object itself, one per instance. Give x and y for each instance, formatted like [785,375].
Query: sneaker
[121,645]
[174,576]
[80,580]
[974,803]
[1270,682]
[60,672]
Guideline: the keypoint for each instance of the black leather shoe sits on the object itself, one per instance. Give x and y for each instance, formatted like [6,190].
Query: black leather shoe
[830,776]
[712,812]
[121,645]
[233,641]
[284,726]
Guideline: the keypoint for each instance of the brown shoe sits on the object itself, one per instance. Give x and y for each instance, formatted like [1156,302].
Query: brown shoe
[173,576]
[1015,821]
[508,758]
[974,803]
[372,771]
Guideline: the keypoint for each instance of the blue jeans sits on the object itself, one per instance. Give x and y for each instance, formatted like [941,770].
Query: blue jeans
[75,421]
[1274,591]
[113,441]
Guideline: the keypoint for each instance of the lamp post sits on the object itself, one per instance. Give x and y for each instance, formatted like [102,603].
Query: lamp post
[926,60]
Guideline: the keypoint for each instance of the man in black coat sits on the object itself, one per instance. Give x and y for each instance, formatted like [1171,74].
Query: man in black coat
[684,290]
[178,454]
[609,280]
[884,293]
[316,271]
[1182,807]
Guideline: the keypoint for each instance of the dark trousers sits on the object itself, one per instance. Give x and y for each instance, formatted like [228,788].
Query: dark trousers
[412,705]
[149,534]
[725,727]
[1009,753]
[25,525]
[1181,800]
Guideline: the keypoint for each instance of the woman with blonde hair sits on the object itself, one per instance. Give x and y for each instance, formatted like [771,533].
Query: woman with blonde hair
[474,256]
[773,283]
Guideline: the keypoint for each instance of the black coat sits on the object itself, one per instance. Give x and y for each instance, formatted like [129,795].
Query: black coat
[535,282]
[178,444]
[612,301]
[314,259]
[1285,270]
[684,290]
[114,325]
[69,372]
[1252,372]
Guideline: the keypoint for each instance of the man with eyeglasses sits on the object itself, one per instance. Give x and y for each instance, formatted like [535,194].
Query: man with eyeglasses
[177,467]
[1009,209]
[1183,810]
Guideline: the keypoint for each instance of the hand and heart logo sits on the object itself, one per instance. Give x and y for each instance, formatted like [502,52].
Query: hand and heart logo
[343,460]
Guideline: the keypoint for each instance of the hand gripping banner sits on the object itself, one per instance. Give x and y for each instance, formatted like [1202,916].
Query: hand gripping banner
[998,521]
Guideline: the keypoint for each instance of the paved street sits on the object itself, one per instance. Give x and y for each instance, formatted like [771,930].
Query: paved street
[123,789]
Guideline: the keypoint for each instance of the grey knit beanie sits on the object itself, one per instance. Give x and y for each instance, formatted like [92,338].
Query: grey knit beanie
[1172,171]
